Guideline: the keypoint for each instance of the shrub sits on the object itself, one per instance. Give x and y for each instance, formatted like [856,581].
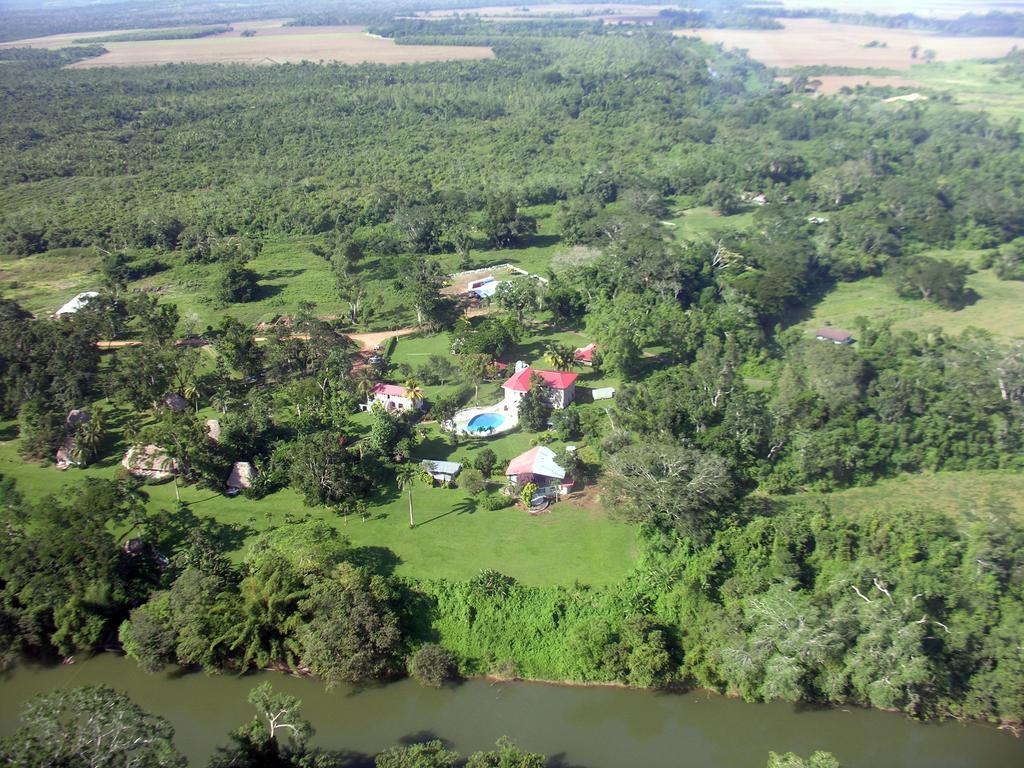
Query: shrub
[529,491]
[485,461]
[472,481]
[492,502]
[433,665]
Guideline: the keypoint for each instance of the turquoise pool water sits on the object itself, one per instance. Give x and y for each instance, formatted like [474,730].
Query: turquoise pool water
[485,422]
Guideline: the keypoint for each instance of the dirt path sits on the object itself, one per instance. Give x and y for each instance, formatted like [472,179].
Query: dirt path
[364,340]
[371,340]
[117,344]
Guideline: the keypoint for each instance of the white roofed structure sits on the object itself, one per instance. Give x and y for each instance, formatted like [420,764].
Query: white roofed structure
[76,303]
[442,471]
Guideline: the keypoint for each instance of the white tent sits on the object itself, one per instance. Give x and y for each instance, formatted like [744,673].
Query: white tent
[76,303]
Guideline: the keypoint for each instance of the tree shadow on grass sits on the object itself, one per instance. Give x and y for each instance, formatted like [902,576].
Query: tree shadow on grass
[172,529]
[969,297]
[280,274]
[462,507]
[434,448]
[377,560]
[530,351]
[264,291]
[114,445]
[540,241]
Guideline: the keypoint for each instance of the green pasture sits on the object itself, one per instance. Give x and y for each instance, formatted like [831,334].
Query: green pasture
[967,496]
[997,308]
[975,85]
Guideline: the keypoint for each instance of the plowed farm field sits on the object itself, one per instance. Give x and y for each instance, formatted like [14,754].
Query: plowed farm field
[270,43]
[810,42]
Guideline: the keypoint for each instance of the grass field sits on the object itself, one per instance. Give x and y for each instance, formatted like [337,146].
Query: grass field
[806,42]
[289,273]
[43,282]
[272,43]
[998,308]
[703,223]
[453,538]
[975,85]
[967,496]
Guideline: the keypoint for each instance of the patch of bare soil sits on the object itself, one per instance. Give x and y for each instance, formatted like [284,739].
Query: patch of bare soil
[828,85]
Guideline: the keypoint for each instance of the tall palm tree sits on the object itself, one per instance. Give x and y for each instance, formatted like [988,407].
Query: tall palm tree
[560,356]
[88,437]
[413,390]
[407,475]
[365,379]
[192,391]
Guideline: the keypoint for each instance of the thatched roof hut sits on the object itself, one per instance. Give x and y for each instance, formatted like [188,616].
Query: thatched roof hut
[175,402]
[149,461]
[241,476]
[213,429]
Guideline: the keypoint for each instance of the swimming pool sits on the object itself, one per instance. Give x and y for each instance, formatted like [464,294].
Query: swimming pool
[485,422]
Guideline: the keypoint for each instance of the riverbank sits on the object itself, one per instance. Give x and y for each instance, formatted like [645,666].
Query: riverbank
[585,726]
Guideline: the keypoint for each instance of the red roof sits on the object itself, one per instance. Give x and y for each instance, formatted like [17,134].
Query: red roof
[520,382]
[585,354]
[389,389]
[539,461]
[833,334]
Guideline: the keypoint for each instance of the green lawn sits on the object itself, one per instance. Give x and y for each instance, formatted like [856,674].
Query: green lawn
[998,308]
[453,537]
[967,496]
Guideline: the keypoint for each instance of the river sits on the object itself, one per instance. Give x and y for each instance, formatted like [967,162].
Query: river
[584,727]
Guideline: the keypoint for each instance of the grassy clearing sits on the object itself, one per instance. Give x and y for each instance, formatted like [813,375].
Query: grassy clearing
[966,496]
[289,273]
[975,86]
[42,283]
[702,223]
[998,308]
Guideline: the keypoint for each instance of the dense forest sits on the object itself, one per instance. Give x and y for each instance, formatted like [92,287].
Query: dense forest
[740,586]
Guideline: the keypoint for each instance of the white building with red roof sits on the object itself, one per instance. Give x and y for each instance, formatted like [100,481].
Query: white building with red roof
[585,355]
[538,466]
[393,398]
[561,386]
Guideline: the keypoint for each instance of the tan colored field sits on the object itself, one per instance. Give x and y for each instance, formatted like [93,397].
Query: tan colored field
[806,42]
[936,9]
[554,9]
[273,43]
[831,84]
